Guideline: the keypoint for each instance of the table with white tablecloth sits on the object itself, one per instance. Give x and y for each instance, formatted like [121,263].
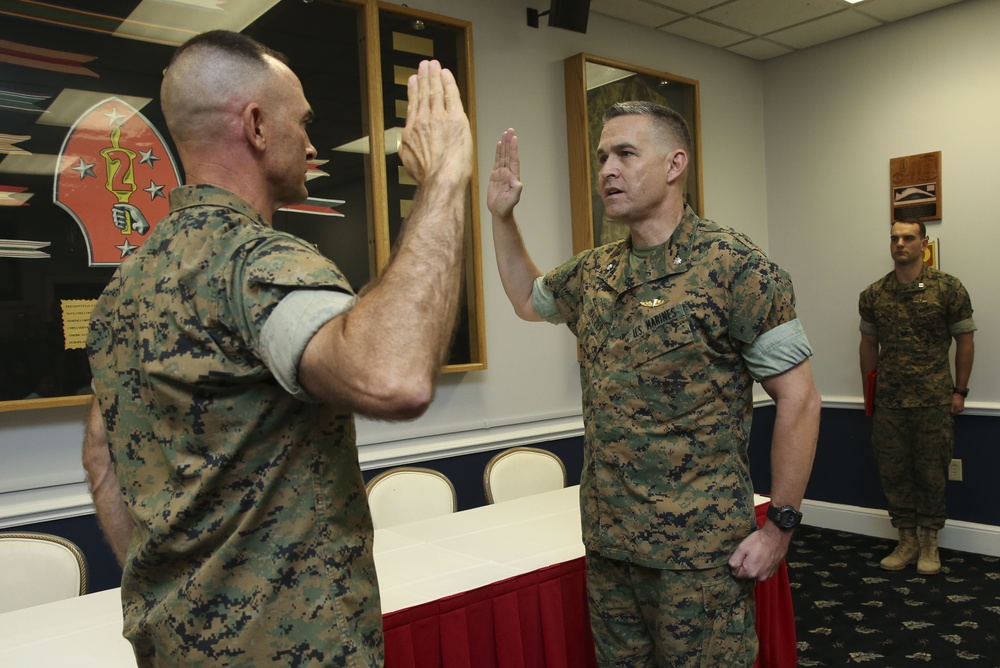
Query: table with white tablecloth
[497,585]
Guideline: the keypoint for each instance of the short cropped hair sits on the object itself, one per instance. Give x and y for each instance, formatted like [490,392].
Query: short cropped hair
[668,119]
[914,221]
[231,42]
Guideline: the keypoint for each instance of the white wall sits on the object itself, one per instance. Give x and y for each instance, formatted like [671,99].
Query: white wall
[519,83]
[834,116]
[531,390]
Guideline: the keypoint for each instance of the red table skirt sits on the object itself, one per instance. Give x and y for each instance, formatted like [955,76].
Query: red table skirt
[540,620]
[535,620]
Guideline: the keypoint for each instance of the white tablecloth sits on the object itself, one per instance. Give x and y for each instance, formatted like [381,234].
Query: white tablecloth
[427,560]
[416,563]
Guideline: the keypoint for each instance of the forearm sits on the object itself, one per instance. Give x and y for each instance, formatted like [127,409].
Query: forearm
[425,274]
[796,431]
[382,357]
[793,447]
[112,514]
[965,352]
[517,271]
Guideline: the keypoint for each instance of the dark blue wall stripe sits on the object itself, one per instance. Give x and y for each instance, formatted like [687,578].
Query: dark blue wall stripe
[844,473]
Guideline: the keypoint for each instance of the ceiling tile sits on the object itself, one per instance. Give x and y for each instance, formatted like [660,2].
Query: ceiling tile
[759,49]
[824,29]
[689,6]
[732,24]
[763,16]
[705,32]
[635,11]
[893,10]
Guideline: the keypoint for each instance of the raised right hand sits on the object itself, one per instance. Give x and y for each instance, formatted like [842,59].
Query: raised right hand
[437,140]
[505,187]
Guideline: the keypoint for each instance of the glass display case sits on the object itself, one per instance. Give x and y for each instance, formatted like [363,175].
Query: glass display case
[86,161]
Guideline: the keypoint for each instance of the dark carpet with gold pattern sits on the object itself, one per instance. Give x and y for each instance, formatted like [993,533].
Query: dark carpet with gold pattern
[848,611]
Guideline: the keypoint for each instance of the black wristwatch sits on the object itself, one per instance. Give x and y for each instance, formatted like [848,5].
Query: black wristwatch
[962,393]
[786,517]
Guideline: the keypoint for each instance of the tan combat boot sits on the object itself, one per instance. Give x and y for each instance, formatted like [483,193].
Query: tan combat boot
[904,554]
[929,562]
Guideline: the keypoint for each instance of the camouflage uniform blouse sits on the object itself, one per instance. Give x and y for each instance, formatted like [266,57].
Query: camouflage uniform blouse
[667,394]
[253,540]
[915,323]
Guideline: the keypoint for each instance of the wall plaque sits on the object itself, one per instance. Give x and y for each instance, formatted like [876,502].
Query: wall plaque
[915,186]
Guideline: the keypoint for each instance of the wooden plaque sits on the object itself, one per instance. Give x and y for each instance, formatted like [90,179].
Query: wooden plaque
[915,186]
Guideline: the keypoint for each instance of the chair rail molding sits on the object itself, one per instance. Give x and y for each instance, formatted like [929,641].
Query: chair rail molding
[49,501]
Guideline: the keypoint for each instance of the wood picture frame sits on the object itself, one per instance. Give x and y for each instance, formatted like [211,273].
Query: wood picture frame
[915,187]
[57,61]
[593,84]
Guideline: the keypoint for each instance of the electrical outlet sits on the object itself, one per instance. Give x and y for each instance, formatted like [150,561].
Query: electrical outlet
[955,470]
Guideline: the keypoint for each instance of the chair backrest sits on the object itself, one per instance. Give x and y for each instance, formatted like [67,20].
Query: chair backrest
[37,568]
[407,494]
[521,471]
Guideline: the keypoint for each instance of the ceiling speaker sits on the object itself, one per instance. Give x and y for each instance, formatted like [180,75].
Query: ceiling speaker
[569,14]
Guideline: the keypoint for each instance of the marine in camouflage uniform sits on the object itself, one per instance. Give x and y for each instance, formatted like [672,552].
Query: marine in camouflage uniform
[227,360]
[671,339]
[912,323]
[249,496]
[674,324]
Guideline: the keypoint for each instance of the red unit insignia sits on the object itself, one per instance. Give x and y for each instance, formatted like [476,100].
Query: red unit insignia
[106,160]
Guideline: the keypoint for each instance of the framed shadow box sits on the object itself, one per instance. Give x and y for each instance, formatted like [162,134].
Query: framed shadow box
[915,186]
[86,161]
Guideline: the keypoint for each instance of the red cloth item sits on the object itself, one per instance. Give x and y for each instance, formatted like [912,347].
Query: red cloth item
[541,620]
[535,620]
[775,615]
[870,392]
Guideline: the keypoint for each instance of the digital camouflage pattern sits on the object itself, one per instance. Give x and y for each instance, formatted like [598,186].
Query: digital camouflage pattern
[912,425]
[667,397]
[699,617]
[253,544]
[915,324]
[913,448]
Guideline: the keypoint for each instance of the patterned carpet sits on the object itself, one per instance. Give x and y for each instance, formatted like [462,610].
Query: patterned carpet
[849,611]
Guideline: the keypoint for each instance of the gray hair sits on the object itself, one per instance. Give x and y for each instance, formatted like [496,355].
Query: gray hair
[235,44]
[666,118]
[211,77]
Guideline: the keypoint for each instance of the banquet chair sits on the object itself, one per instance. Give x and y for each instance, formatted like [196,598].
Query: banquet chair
[407,494]
[521,471]
[37,568]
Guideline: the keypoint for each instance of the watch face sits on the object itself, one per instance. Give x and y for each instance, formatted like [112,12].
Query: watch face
[785,517]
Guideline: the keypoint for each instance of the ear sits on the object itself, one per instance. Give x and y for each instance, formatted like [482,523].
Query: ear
[254,128]
[676,164]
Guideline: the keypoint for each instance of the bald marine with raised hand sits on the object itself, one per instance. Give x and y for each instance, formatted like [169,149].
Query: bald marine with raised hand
[229,359]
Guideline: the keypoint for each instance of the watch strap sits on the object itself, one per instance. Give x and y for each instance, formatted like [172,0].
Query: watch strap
[786,517]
